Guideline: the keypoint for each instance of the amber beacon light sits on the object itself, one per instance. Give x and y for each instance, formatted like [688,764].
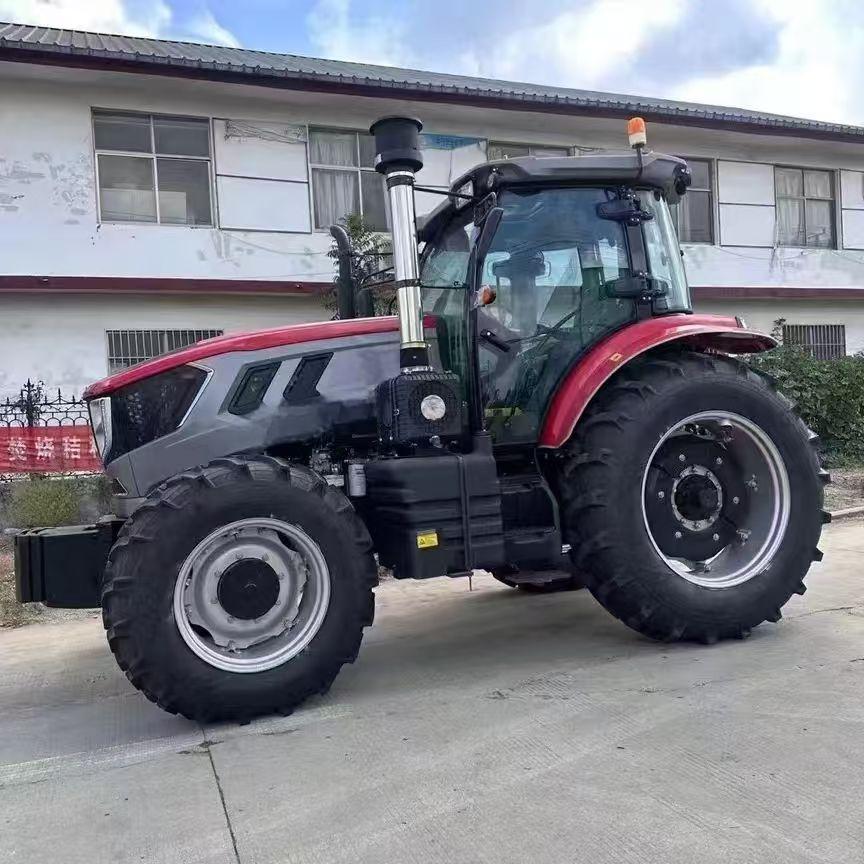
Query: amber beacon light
[636,132]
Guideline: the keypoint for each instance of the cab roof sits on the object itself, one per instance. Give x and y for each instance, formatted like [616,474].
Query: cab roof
[668,174]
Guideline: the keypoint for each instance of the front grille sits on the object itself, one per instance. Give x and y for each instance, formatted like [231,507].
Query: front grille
[149,409]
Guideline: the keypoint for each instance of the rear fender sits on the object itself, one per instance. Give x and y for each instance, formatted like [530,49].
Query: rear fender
[592,370]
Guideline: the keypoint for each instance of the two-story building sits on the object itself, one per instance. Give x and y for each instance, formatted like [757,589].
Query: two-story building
[153,193]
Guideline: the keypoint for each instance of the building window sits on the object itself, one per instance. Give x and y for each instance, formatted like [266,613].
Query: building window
[498,150]
[822,341]
[344,179]
[694,213]
[127,347]
[805,207]
[153,168]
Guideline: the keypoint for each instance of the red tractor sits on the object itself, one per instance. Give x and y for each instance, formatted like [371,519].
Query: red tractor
[546,400]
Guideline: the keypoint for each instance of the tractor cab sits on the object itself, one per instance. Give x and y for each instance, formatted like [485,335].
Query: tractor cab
[582,246]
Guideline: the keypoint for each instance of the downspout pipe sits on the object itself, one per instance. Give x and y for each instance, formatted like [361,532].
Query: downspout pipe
[398,158]
[346,290]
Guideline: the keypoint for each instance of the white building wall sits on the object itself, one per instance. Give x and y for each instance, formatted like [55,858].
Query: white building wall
[48,209]
[762,315]
[60,339]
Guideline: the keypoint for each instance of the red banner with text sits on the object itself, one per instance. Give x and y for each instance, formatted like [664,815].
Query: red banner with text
[48,449]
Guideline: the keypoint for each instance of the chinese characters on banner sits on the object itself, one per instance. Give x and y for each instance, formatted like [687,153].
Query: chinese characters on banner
[48,449]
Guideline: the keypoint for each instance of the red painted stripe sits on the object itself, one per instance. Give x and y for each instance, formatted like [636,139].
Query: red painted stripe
[773,292]
[157,285]
[254,341]
[607,357]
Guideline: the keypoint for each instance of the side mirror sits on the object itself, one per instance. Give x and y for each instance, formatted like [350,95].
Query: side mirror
[626,210]
[636,287]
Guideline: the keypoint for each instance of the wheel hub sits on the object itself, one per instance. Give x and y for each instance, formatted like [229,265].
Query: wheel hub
[252,594]
[716,499]
[697,497]
[248,589]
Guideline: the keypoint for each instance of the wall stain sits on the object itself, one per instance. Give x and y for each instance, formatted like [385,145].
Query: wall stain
[19,173]
[74,187]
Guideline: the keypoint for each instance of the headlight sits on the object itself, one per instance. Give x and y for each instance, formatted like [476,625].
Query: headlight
[100,423]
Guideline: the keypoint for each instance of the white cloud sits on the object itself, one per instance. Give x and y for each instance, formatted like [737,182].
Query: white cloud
[579,47]
[809,70]
[335,34]
[205,28]
[815,73]
[154,18]
[105,16]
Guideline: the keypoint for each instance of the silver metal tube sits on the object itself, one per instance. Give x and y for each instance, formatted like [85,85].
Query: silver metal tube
[406,265]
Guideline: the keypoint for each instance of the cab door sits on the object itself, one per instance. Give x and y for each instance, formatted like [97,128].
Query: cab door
[548,267]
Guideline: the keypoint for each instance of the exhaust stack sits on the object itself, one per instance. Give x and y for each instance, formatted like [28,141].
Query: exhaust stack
[398,158]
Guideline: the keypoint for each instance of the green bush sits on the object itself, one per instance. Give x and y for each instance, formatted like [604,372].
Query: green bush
[828,394]
[54,501]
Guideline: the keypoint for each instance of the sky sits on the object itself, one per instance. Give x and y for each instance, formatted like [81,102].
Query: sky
[798,57]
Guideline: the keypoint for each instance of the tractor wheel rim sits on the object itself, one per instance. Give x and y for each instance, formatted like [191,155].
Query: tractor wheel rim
[252,595]
[736,524]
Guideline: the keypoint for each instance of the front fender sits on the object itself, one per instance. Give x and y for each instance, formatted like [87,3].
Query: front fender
[594,369]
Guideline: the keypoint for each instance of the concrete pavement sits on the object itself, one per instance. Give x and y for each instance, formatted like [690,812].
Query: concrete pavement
[485,727]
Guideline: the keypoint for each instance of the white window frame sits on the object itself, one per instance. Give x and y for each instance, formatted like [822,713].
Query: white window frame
[196,334]
[310,130]
[567,150]
[153,156]
[712,193]
[835,221]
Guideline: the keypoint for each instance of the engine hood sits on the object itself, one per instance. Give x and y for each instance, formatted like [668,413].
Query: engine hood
[257,340]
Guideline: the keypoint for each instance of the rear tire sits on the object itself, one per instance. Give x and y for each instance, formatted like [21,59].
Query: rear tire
[160,654]
[606,504]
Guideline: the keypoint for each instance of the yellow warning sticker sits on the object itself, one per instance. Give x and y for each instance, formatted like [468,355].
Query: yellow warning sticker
[427,539]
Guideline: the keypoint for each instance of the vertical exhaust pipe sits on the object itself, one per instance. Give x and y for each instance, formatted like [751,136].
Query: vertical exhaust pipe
[398,158]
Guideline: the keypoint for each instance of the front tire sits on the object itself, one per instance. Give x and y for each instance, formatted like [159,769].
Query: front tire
[238,589]
[668,478]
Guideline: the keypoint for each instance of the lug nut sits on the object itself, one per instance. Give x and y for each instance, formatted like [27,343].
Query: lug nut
[736,500]
[718,461]
[661,495]
[681,457]
[677,535]
[715,537]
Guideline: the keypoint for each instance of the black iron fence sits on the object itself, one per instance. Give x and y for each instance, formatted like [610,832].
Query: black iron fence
[36,407]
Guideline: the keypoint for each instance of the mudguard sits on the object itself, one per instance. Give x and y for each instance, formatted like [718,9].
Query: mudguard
[700,332]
